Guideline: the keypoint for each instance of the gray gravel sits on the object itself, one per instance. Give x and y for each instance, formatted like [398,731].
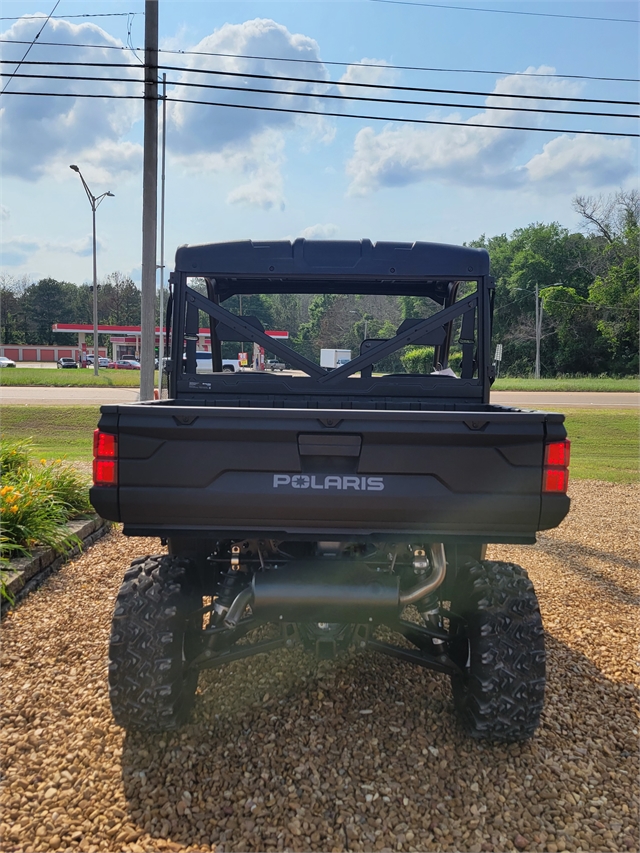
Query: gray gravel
[361,753]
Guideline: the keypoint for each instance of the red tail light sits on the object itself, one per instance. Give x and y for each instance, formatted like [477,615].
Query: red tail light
[105,462]
[104,444]
[555,475]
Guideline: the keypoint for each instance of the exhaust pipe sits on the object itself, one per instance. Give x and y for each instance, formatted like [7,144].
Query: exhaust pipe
[331,591]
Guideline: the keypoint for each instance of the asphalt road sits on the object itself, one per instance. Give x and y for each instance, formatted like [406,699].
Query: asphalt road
[41,396]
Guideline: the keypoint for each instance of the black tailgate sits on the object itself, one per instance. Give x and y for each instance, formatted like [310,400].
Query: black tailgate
[237,471]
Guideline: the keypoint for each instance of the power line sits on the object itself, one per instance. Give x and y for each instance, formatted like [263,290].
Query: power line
[360,98]
[506,11]
[281,77]
[401,120]
[63,17]
[386,86]
[403,67]
[593,305]
[255,90]
[334,115]
[341,64]
[29,48]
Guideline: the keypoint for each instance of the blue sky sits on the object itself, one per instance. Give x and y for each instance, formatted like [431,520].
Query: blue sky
[235,174]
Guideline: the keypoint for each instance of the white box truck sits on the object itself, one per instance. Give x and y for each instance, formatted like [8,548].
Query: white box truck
[334,357]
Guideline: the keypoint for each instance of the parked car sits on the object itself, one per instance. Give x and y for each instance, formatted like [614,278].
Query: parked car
[67,363]
[274,364]
[6,362]
[102,361]
[125,365]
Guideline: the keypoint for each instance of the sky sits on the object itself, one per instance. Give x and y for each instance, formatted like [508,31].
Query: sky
[235,173]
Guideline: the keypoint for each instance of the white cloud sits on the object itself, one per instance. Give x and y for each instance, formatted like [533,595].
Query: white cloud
[260,164]
[319,231]
[528,84]
[372,71]
[42,133]
[16,250]
[472,156]
[594,161]
[196,128]
[248,143]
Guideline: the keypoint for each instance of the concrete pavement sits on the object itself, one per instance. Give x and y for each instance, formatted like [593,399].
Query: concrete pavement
[47,396]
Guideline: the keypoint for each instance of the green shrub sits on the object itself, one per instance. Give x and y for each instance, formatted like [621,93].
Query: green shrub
[37,498]
[32,517]
[418,359]
[14,455]
[65,484]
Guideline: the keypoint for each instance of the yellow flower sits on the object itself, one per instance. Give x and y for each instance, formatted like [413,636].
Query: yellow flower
[58,461]
[44,461]
[14,509]
[5,489]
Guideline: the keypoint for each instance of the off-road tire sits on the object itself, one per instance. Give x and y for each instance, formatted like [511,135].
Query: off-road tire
[500,648]
[150,687]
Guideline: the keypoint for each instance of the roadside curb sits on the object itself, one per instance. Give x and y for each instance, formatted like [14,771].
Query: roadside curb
[24,574]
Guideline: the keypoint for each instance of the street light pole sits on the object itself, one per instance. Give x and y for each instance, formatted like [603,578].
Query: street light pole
[94,201]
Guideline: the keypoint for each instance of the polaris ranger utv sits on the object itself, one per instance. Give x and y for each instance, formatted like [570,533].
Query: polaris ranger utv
[328,501]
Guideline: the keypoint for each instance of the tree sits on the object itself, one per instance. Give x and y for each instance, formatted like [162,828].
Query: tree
[48,302]
[119,301]
[542,254]
[613,221]
[12,312]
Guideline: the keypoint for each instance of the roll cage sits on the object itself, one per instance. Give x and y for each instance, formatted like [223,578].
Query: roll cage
[343,267]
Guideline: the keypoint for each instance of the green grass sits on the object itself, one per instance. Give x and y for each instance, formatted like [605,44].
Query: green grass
[82,377]
[595,383]
[58,432]
[604,442]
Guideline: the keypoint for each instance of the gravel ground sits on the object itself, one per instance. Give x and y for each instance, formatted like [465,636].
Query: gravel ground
[360,753]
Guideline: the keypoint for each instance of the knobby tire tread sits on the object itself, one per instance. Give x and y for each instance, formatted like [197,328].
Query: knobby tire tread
[149,686]
[501,695]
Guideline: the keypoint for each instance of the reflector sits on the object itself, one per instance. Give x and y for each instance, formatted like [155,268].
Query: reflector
[104,444]
[555,480]
[105,472]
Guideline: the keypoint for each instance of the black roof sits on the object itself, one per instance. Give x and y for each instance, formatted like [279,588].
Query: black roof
[247,266]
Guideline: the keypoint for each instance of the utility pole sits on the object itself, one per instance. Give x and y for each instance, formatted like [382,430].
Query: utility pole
[161,339]
[538,332]
[149,200]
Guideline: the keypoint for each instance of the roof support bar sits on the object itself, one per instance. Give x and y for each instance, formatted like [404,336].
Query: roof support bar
[250,333]
[413,334]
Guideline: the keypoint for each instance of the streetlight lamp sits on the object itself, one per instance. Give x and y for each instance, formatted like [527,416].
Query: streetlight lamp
[94,201]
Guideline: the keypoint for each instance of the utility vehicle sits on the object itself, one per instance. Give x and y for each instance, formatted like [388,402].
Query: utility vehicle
[328,503]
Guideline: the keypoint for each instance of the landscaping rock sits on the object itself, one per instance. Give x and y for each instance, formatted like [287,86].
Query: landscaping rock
[43,561]
[279,756]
